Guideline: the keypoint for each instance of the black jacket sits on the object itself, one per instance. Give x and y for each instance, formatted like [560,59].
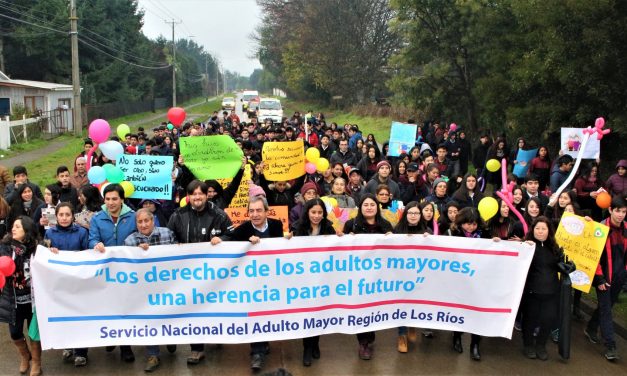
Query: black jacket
[543,272]
[244,231]
[352,226]
[20,278]
[191,226]
[326,228]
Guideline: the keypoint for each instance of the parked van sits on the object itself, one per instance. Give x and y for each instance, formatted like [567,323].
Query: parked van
[247,96]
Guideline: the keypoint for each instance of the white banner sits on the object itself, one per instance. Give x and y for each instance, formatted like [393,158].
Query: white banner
[278,289]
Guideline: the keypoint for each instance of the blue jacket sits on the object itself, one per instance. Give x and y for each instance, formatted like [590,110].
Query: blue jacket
[102,229]
[72,238]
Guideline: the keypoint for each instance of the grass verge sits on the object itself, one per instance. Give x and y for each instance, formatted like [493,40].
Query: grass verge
[378,126]
[42,171]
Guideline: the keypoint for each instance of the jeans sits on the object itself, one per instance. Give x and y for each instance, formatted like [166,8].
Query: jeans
[152,350]
[22,312]
[602,316]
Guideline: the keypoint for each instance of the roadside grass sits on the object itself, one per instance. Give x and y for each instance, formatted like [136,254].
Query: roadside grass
[378,126]
[34,144]
[42,171]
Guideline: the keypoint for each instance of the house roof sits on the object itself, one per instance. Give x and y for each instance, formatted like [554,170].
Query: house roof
[6,81]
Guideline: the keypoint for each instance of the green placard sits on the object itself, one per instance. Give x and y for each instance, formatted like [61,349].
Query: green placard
[211,157]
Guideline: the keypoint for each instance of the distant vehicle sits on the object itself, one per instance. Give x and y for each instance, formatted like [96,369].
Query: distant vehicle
[228,103]
[247,97]
[253,107]
[270,108]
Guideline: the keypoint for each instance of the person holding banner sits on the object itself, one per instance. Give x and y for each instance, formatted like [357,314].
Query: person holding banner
[198,222]
[468,224]
[313,222]
[367,221]
[540,301]
[410,223]
[609,278]
[109,228]
[148,234]
[16,301]
[258,227]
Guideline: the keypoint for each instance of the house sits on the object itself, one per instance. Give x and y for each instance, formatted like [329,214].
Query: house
[41,98]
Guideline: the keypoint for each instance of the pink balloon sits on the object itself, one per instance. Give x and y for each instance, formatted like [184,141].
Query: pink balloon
[310,168]
[3,281]
[599,122]
[453,127]
[176,115]
[99,130]
[7,266]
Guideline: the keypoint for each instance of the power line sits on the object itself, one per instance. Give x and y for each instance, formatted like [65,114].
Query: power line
[9,6]
[32,24]
[164,9]
[120,51]
[120,59]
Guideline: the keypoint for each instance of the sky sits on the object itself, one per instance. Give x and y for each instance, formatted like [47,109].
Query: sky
[222,27]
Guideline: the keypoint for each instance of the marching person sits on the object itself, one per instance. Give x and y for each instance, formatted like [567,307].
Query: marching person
[148,234]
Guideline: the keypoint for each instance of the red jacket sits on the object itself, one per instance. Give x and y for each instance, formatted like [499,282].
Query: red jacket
[614,254]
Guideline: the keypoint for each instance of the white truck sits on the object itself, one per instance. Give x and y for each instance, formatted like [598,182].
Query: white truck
[270,108]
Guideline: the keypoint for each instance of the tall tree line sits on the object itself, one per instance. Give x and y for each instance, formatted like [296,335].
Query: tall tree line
[524,68]
[117,61]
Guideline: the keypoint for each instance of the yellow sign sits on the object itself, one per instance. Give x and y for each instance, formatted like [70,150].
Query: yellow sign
[583,242]
[240,200]
[283,160]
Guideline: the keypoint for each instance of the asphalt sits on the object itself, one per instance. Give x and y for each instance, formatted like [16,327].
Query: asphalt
[339,357]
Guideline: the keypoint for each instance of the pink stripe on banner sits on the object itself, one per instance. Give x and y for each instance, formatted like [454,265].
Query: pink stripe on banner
[348,248]
[374,304]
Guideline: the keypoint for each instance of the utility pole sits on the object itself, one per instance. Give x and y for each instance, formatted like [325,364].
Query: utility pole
[206,78]
[224,78]
[217,79]
[76,79]
[173,62]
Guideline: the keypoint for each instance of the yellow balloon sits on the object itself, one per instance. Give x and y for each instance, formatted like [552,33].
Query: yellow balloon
[312,154]
[183,202]
[322,165]
[129,189]
[488,207]
[493,165]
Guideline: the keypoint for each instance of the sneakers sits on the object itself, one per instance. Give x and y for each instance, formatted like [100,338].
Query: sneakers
[151,364]
[364,351]
[611,354]
[67,354]
[592,337]
[195,357]
[256,362]
[402,344]
[530,352]
[541,353]
[80,361]
[412,334]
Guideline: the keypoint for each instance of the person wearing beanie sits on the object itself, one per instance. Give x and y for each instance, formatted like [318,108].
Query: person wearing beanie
[20,176]
[309,191]
[439,196]
[616,184]
[383,176]
[254,190]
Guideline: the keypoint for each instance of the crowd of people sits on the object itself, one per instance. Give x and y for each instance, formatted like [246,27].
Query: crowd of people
[433,184]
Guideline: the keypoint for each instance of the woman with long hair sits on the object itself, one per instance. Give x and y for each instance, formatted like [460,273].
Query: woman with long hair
[368,163]
[399,172]
[427,212]
[367,221]
[52,194]
[16,301]
[497,151]
[68,236]
[541,166]
[540,301]
[26,203]
[410,223]
[555,207]
[91,203]
[587,185]
[502,224]
[313,222]
[5,211]
[468,224]
[468,194]
[533,209]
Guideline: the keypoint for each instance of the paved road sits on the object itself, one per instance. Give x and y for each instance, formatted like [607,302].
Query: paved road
[339,357]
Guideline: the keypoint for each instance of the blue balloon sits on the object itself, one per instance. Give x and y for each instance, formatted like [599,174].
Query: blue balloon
[96,175]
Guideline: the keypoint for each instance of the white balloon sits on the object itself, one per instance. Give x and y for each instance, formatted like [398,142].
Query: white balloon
[111,149]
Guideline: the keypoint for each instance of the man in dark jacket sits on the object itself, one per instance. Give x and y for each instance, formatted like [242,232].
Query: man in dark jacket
[609,278]
[343,155]
[326,147]
[414,187]
[258,227]
[199,221]
[560,172]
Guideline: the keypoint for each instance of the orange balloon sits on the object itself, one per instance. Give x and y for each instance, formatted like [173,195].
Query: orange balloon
[604,200]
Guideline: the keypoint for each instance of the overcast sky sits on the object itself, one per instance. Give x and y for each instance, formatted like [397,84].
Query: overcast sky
[222,27]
